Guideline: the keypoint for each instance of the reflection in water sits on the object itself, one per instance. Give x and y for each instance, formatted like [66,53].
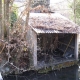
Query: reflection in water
[70,73]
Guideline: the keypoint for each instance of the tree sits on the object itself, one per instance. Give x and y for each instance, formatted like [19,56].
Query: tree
[13,15]
[14,47]
[75,6]
[6,18]
[5,15]
[40,2]
[0,18]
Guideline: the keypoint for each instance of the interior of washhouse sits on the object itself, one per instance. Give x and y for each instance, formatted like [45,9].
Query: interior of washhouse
[55,47]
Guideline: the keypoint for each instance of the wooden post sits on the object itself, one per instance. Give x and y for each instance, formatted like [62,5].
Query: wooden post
[76,46]
[44,43]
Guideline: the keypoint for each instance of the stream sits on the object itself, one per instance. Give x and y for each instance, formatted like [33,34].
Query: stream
[70,73]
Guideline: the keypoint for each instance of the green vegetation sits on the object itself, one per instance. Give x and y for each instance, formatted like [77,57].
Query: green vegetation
[77,10]
[14,15]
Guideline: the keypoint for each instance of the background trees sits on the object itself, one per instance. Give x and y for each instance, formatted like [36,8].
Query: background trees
[4,18]
[13,45]
[13,15]
[0,18]
[75,5]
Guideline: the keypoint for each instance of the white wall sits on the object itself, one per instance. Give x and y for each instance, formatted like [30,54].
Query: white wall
[76,45]
[32,45]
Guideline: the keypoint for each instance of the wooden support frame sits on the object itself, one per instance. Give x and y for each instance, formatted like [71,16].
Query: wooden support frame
[65,44]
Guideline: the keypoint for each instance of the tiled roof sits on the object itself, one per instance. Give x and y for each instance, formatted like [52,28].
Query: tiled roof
[52,22]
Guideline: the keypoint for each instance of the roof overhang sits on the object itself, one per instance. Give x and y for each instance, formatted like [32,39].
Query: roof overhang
[39,31]
[52,23]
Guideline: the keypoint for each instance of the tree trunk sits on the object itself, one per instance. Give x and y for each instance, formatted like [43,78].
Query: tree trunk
[27,17]
[6,19]
[27,13]
[0,19]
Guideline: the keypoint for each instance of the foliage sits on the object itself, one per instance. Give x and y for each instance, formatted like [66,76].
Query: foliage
[77,10]
[14,15]
[40,2]
[14,55]
[13,51]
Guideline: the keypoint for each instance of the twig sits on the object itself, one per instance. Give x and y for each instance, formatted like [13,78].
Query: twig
[2,49]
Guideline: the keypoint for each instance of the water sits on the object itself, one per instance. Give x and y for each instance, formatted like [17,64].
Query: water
[71,73]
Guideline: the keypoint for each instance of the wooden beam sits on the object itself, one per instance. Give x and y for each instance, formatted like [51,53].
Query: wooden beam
[61,50]
[65,44]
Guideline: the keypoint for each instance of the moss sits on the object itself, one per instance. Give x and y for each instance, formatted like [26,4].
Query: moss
[45,70]
[57,67]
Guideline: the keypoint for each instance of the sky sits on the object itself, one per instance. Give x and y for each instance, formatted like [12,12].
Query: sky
[52,2]
[55,1]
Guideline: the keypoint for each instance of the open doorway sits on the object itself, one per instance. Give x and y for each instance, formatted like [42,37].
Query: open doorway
[53,47]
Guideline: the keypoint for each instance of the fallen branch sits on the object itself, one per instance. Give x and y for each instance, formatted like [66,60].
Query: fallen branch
[2,49]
